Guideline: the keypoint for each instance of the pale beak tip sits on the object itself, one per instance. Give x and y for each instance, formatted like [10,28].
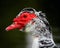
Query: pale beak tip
[6,29]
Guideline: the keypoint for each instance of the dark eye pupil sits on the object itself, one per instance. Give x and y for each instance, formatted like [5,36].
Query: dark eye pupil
[25,16]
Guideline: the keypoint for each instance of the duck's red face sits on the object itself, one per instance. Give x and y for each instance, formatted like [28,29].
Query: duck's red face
[21,21]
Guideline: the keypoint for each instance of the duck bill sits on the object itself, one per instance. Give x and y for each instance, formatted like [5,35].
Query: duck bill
[12,26]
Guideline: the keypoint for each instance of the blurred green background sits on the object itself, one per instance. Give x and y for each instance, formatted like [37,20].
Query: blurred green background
[10,8]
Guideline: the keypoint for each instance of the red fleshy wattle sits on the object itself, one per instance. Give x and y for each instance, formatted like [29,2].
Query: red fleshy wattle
[21,20]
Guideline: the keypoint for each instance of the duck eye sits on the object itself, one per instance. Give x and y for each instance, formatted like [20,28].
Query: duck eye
[25,16]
